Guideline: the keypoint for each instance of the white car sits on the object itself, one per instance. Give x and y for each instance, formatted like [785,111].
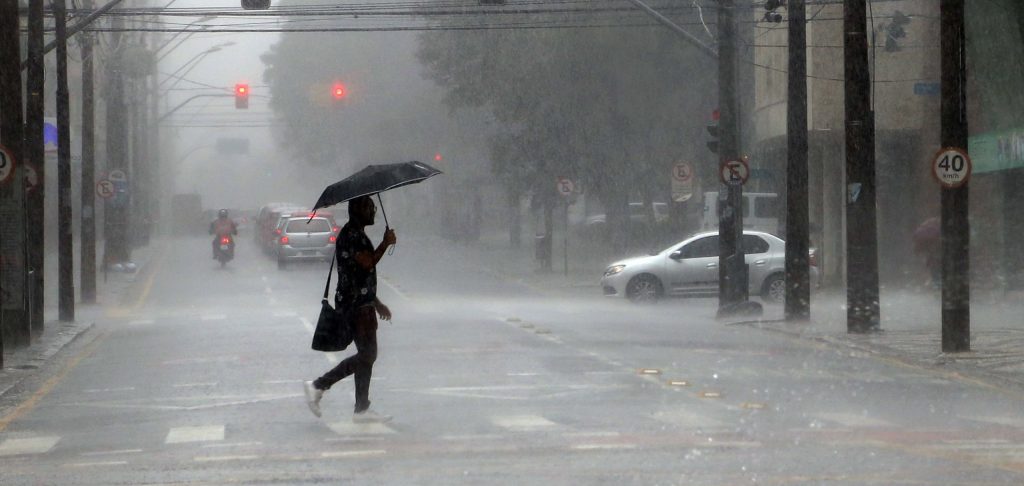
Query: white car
[690,268]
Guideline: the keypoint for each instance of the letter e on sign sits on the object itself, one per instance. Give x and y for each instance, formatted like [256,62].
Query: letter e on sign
[952,167]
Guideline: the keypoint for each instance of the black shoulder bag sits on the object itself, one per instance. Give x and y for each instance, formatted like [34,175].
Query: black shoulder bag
[334,326]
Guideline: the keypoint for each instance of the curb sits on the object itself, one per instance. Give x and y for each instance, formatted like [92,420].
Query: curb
[26,362]
[943,363]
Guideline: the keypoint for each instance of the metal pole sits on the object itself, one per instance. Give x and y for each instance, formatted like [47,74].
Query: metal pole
[115,214]
[35,157]
[798,291]
[862,314]
[13,249]
[74,29]
[956,287]
[732,277]
[87,275]
[65,241]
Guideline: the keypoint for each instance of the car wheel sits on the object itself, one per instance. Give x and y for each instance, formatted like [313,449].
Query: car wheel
[774,288]
[643,289]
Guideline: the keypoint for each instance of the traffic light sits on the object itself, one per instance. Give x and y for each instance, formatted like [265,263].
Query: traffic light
[255,4]
[770,14]
[338,91]
[713,143]
[242,96]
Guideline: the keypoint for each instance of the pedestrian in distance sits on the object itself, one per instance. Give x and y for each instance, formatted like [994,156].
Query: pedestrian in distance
[356,295]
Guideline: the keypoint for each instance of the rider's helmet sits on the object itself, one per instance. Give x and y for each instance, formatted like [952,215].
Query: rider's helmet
[223,213]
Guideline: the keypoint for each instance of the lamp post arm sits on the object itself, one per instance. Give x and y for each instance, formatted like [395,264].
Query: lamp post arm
[74,29]
[183,103]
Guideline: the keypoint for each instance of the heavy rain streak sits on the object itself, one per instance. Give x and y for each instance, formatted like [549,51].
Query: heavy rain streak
[522,242]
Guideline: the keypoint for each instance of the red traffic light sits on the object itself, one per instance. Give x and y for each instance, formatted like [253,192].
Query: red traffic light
[338,91]
[437,157]
[242,95]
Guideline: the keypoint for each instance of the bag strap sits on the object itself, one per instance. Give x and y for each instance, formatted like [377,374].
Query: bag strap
[329,275]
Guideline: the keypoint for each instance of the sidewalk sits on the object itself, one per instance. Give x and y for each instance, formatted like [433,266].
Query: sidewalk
[22,363]
[910,319]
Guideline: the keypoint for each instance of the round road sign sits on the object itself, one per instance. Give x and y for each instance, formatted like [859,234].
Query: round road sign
[952,167]
[565,186]
[105,189]
[734,172]
[682,172]
[6,165]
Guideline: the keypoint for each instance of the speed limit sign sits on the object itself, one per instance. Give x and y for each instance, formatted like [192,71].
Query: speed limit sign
[6,165]
[952,167]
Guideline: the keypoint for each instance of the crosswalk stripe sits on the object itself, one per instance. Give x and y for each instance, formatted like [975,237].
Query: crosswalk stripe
[96,464]
[686,418]
[349,428]
[853,420]
[206,433]
[367,452]
[522,422]
[27,445]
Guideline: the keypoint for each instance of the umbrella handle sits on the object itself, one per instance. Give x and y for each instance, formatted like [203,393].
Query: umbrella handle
[391,251]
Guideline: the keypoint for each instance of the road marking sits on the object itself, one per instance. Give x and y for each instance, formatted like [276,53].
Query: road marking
[96,464]
[472,437]
[340,454]
[595,447]
[109,390]
[349,428]
[853,420]
[190,385]
[216,359]
[282,382]
[523,374]
[523,422]
[213,317]
[206,433]
[598,433]
[232,444]
[27,445]
[141,322]
[110,453]
[685,418]
[248,457]
[1007,421]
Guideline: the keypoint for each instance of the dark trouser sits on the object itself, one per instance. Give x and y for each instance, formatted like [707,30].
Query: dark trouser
[364,324]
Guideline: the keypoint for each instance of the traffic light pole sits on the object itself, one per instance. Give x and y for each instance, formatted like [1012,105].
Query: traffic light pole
[956,288]
[798,290]
[35,157]
[862,314]
[87,261]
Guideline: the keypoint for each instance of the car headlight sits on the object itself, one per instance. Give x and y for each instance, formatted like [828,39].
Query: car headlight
[614,269]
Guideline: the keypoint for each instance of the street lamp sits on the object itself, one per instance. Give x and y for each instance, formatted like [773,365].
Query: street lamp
[192,63]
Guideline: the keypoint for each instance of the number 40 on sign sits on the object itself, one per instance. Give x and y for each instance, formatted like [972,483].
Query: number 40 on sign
[952,167]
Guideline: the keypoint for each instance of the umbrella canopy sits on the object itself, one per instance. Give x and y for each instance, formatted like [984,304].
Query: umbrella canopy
[375,179]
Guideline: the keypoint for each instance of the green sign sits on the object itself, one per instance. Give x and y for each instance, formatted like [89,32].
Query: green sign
[996,151]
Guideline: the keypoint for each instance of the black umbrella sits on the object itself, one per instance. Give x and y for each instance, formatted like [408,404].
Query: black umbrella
[375,179]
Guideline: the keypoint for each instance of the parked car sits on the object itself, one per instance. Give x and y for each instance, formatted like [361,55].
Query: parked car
[267,219]
[690,268]
[760,211]
[303,238]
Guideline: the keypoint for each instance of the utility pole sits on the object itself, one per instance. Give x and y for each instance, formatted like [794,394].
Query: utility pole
[35,157]
[956,287]
[862,311]
[65,241]
[87,263]
[14,324]
[115,221]
[798,290]
[732,267]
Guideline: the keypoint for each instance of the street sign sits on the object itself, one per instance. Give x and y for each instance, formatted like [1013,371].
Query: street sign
[682,182]
[734,172]
[117,175]
[952,167]
[565,186]
[6,165]
[105,189]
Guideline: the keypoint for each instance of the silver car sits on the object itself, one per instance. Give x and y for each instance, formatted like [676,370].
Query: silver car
[690,268]
[302,238]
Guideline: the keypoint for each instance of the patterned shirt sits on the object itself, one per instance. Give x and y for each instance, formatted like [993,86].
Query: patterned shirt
[357,287]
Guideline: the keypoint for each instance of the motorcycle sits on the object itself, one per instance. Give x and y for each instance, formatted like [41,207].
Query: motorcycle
[225,250]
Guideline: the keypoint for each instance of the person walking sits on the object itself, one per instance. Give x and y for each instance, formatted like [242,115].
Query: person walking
[356,295]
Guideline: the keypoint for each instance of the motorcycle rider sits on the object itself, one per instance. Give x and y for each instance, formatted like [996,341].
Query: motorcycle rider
[221,227]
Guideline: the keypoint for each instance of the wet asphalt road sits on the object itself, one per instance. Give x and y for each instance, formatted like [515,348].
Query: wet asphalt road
[197,380]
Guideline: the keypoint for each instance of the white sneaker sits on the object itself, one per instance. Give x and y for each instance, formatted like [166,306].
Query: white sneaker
[313,396]
[369,417]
